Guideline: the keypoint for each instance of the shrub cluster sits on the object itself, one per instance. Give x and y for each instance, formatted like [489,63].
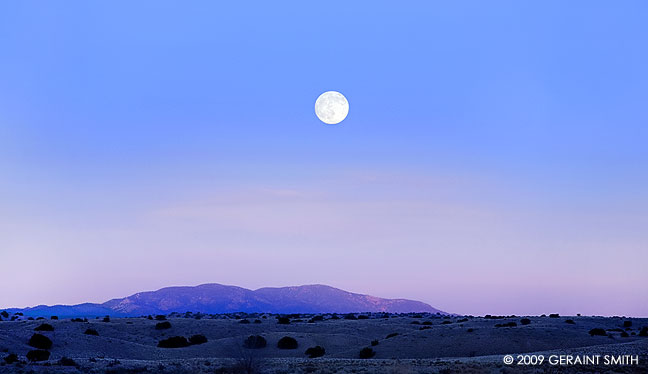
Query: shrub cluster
[597,332]
[197,339]
[44,327]
[508,324]
[314,352]
[163,325]
[255,342]
[174,342]
[91,332]
[40,341]
[287,343]
[38,355]
[525,321]
[367,352]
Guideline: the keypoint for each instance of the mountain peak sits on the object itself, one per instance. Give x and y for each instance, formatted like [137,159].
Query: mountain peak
[218,298]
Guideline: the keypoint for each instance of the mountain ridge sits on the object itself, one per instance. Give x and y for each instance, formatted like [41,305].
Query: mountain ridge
[214,298]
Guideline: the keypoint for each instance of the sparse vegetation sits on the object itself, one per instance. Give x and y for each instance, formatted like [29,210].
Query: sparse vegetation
[44,327]
[508,324]
[366,352]
[255,342]
[163,325]
[245,321]
[314,352]
[160,317]
[350,316]
[40,342]
[525,321]
[570,321]
[38,355]
[174,342]
[287,343]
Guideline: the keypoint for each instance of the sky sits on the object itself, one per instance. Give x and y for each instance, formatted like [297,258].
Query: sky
[494,159]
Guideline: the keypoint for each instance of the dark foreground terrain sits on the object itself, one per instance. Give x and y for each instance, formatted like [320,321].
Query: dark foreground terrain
[358,343]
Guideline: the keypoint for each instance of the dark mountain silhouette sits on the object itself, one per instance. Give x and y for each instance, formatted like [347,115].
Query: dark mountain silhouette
[218,298]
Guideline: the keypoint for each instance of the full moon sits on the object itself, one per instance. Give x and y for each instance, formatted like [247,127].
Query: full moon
[331,107]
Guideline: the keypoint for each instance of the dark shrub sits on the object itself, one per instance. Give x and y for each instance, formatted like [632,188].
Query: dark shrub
[362,316]
[525,321]
[314,352]
[163,325]
[597,332]
[149,317]
[106,319]
[11,358]
[627,323]
[38,355]
[255,342]
[427,323]
[391,335]
[65,361]
[287,343]
[80,320]
[91,332]
[624,334]
[317,318]
[644,331]
[554,315]
[446,322]
[257,321]
[160,317]
[570,321]
[4,314]
[197,339]
[367,352]
[463,320]
[44,327]
[245,321]
[374,343]
[39,318]
[30,318]
[425,327]
[508,324]
[40,341]
[415,323]
[54,317]
[350,316]
[470,330]
[335,316]
[283,320]
[174,342]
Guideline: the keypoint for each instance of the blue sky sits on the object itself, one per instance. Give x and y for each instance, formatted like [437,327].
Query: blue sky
[489,146]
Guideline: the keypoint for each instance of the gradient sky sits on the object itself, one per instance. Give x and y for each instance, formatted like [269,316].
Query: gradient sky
[494,160]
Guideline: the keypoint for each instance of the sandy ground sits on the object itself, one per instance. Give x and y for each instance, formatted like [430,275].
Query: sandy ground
[441,345]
